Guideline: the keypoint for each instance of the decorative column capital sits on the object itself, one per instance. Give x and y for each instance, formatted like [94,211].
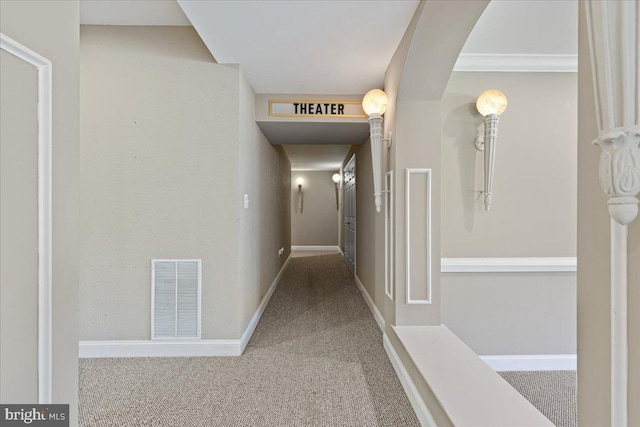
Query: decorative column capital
[620,171]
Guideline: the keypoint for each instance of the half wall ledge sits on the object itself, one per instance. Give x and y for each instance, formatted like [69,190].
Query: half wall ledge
[464,386]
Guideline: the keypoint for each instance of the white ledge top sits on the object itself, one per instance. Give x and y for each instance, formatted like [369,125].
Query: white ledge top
[509,265]
[468,390]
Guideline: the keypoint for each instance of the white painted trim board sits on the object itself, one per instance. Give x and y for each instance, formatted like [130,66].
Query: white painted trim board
[379,318]
[181,348]
[316,248]
[517,63]
[419,407]
[545,362]
[45,236]
[509,265]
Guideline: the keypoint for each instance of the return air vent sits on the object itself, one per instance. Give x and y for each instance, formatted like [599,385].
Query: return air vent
[175,298]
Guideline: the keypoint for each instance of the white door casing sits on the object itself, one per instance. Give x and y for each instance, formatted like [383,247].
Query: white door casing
[349,208]
[45,144]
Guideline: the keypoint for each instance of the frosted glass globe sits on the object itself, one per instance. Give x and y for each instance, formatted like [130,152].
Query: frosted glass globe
[491,102]
[300,181]
[336,178]
[375,101]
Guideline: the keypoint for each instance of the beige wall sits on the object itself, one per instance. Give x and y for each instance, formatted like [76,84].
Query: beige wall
[159,174]
[534,192]
[512,313]
[594,299]
[533,213]
[51,28]
[265,227]
[317,225]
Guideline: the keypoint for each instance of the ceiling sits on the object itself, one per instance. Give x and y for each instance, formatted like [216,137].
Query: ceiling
[316,157]
[332,47]
[131,12]
[312,47]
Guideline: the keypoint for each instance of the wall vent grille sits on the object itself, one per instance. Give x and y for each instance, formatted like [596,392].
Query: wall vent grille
[176,286]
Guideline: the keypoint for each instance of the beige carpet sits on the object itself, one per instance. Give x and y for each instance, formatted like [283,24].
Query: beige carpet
[315,359]
[552,392]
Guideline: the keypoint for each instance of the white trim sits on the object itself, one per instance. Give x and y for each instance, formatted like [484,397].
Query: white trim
[508,265]
[533,362]
[408,173]
[251,327]
[162,348]
[372,305]
[389,238]
[153,298]
[420,408]
[316,248]
[517,63]
[45,176]
[180,347]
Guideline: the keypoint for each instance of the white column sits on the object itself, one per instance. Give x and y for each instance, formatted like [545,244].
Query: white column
[613,37]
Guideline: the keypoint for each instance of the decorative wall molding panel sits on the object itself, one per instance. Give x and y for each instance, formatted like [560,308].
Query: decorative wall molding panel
[508,265]
[389,236]
[419,407]
[372,305]
[613,28]
[408,236]
[180,348]
[45,178]
[532,362]
[517,63]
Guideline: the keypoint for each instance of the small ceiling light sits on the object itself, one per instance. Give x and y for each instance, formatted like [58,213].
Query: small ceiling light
[490,104]
[375,103]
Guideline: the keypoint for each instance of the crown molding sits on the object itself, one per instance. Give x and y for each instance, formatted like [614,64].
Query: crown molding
[517,63]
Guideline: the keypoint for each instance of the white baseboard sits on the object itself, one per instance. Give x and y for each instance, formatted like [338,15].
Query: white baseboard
[148,348]
[508,265]
[244,340]
[419,407]
[316,248]
[180,348]
[545,362]
[372,306]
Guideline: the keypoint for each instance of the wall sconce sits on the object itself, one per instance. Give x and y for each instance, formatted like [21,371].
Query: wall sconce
[490,104]
[375,103]
[300,181]
[336,180]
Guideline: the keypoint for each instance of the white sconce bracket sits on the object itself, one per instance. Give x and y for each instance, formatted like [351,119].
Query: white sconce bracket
[619,172]
[374,104]
[491,103]
[388,139]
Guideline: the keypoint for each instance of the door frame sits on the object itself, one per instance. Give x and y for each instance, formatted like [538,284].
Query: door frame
[45,146]
[344,198]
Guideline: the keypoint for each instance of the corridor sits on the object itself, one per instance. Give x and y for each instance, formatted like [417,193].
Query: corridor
[315,359]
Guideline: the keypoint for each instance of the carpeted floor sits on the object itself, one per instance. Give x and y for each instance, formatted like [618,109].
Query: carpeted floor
[552,392]
[315,359]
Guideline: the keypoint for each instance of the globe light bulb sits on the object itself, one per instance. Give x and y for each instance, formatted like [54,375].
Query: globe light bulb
[375,101]
[336,178]
[299,181]
[491,102]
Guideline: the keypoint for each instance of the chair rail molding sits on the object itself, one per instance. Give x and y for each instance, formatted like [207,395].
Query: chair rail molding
[612,29]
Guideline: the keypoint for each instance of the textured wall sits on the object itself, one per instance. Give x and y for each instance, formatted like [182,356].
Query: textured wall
[317,225]
[51,28]
[159,176]
[534,202]
[533,213]
[265,175]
